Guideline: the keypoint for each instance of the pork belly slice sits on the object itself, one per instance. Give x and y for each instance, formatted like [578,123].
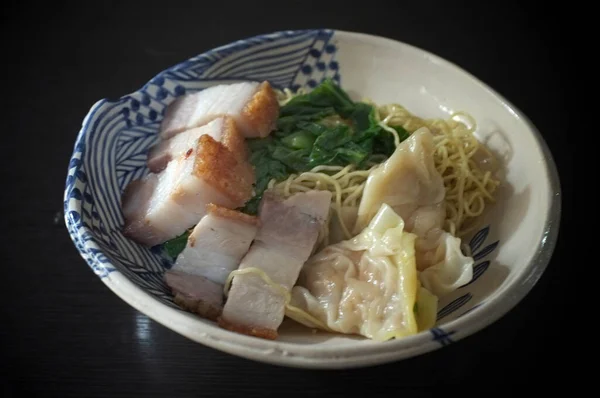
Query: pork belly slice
[217,244]
[252,105]
[285,240]
[180,193]
[222,129]
[134,205]
[195,293]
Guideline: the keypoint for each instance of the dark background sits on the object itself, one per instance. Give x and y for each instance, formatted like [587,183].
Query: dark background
[63,333]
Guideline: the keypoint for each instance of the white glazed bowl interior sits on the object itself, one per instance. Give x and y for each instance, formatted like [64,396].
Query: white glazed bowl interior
[511,250]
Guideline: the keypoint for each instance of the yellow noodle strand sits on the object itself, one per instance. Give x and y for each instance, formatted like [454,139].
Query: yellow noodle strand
[468,188]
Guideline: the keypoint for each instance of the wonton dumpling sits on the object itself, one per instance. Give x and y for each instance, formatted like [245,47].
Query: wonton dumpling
[449,269]
[410,184]
[367,285]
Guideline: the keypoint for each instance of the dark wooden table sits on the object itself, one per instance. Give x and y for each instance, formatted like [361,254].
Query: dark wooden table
[64,334]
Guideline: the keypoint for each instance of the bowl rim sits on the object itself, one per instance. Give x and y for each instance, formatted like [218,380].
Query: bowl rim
[319,355]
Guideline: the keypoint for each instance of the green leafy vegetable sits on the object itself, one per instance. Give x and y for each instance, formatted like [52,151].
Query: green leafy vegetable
[287,124]
[176,245]
[266,168]
[335,147]
[299,140]
[322,127]
[323,97]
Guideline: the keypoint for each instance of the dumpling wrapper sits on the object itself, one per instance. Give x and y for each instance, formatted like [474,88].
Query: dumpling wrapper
[450,268]
[426,309]
[367,285]
[411,185]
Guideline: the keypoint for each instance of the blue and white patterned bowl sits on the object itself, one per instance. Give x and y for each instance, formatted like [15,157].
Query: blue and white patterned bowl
[510,253]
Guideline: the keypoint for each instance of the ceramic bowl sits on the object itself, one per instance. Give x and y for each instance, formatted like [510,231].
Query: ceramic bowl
[511,250]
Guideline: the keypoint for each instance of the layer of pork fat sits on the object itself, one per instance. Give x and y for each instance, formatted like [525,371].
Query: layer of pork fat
[196,293]
[217,244]
[252,105]
[285,240]
[222,129]
[164,206]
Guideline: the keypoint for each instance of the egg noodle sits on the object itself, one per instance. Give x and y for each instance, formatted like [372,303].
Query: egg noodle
[467,186]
